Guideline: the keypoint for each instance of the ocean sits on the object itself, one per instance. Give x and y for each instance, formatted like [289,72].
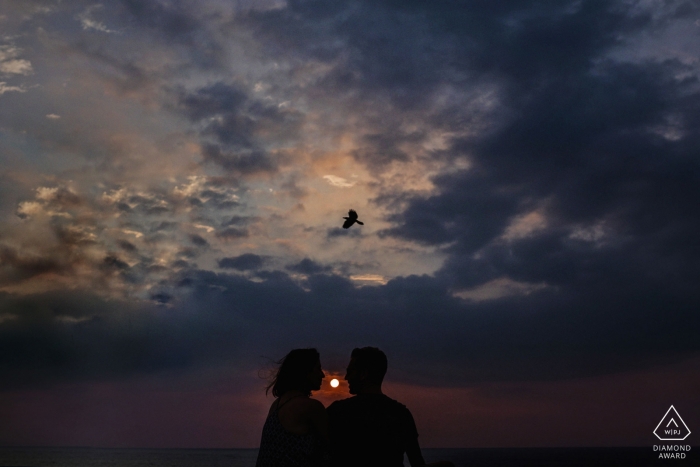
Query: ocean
[513,457]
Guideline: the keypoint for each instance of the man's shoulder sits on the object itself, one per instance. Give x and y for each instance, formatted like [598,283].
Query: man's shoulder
[394,402]
[367,400]
[341,404]
[398,407]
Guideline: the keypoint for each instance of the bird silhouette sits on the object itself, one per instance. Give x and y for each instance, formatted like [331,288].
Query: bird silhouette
[351,219]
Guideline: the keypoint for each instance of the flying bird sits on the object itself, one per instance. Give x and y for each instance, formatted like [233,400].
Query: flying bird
[351,219]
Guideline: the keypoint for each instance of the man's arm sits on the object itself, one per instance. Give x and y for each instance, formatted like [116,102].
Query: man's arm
[415,458]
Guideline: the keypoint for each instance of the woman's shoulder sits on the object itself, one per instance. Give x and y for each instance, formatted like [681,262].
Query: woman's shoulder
[307,404]
[298,403]
[315,405]
[308,409]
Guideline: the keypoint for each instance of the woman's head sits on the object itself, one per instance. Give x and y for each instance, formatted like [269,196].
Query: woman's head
[299,370]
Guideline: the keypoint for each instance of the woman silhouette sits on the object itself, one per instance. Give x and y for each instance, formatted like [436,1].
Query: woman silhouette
[295,433]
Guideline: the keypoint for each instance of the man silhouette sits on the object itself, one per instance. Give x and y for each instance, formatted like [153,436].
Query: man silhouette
[371,429]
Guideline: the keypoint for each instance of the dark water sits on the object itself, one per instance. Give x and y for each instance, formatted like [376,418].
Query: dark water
[567,457]
[529,457]
[91,457]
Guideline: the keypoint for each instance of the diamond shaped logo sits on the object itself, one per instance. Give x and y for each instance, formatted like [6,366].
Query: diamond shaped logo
[672,427]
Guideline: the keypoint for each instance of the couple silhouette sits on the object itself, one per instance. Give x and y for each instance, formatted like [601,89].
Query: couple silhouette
[366,430]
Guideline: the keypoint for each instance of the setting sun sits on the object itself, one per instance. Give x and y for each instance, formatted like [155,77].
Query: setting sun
[335,383]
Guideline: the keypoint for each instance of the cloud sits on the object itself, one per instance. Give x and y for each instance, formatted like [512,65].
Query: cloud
[244,262]
[171,19]
[128,246]
[371,278]
[5,88]
[207,192]
[231,233]
[123,241]
[565,150]
[557,180]
[87,22]
[248,131]
[340,182]
[16,267]
[240,220]
[16,67]
[245,162]
[217,99]
[199,240]
[114,263]
[508,338]
[498,288]
[10,64]
[308,266]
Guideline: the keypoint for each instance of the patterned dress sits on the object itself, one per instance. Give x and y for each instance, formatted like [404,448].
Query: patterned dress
[280,448]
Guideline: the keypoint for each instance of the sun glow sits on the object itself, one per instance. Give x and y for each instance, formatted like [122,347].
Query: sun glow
[335,383]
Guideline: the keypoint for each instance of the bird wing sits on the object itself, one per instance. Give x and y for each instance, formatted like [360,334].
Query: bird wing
[348,223]
[352,214]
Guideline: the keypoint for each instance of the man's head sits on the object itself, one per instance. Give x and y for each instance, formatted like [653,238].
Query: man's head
[366,370]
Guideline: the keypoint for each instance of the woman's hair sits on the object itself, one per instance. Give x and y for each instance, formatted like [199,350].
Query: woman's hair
[293,372]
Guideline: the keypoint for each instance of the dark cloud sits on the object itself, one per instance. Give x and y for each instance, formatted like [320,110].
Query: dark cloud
[66,336]
[11,191]
[240,220]
[112,262]
[471,207]
[179,264]
[574,135]
[308,266]
[125,74]
[188,252]
[17,267]
[64,198]
[604,151]
[68,236]
[244,128]
[176,21]
[394,61]
[431,336]
[218,99]
[244,262]
[163,226]
[161,298]
[231,233]
[199,240]
[244,162]
[127,246]
[169,16]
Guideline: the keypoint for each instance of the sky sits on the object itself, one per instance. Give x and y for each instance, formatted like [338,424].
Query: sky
[174,173]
